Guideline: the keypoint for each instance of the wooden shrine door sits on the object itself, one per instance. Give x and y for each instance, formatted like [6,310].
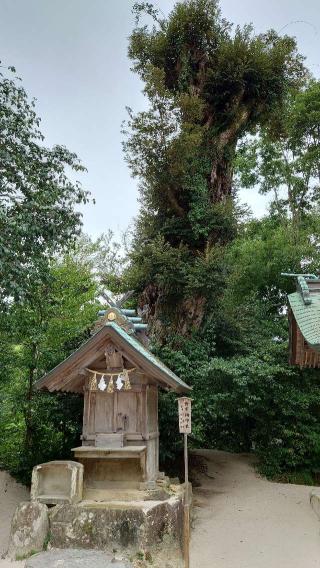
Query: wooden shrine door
[104,413]
[128,412]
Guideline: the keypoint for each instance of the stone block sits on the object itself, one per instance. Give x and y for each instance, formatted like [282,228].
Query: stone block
[117,525]
[164,521]
[56,482]
[95,528]
[29,529]
[76,559]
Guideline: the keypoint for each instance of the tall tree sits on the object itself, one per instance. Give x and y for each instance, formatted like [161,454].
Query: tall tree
[37,200]
[208,85]
[287,166]
[36,335]
[107,258]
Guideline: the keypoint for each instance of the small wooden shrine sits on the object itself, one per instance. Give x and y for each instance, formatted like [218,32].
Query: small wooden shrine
[119,378]
[304,322]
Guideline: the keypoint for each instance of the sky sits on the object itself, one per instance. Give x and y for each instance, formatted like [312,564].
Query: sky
[72,57]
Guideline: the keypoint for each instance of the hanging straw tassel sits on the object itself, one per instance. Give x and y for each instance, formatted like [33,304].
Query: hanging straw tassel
[127,384]
[93,385]
[110,388]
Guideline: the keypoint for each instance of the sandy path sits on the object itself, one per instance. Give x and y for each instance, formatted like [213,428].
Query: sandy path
[11,493]
[244,521]
[241,520]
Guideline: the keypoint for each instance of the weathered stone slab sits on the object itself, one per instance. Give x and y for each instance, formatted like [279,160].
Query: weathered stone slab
[59,481]
[75,559]
[116,525]
[29,529]
[73,526]
[163,520]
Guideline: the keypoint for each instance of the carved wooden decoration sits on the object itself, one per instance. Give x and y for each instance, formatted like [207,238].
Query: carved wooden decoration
[114,359]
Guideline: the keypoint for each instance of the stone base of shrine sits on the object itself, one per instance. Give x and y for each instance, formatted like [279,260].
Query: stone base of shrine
[129,527]
[102,525]
[136,524]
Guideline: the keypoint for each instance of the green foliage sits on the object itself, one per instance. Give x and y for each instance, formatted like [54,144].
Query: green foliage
[287,166]
[259,403]
[251,400]
[207,85]
[37,335]
[55,429]
[37,200]
[266,248]
[184,358]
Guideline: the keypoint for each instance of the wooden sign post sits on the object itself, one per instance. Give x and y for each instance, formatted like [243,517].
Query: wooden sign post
[185,429]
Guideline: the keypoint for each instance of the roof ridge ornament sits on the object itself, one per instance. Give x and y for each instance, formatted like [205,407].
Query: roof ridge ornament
[304,289]
[125,318]
[296,275]
[116,301]
[302,285]
[114,315]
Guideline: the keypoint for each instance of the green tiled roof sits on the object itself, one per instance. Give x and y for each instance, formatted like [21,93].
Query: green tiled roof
[147,354]
[307,316]
[153,365]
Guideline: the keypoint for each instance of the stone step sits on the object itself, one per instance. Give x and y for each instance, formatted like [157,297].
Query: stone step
[114,494]
[76,559]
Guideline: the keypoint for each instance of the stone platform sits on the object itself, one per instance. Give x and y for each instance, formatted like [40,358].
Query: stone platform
[75,559]
[135,525]
[130,522]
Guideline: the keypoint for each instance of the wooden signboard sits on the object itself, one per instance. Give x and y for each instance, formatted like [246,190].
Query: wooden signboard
[184,415]
[184,404]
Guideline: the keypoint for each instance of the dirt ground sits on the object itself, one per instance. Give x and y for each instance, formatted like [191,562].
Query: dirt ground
[240,519]
[244,521]
[11,493]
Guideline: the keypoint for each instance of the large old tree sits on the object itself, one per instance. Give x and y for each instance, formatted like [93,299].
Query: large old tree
[208,85]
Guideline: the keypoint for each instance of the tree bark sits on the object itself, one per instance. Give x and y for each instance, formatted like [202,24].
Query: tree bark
[28,412]
[222,167]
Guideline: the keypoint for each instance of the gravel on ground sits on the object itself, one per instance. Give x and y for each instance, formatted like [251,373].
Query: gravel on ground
[11,493]
[241,520]
[244,521]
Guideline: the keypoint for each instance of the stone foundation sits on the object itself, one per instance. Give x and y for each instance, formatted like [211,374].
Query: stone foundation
[149,526]
[117,525]
[29,530]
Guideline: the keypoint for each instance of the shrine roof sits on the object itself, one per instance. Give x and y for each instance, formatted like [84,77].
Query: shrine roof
[151,357]
[67,375]
[305,306]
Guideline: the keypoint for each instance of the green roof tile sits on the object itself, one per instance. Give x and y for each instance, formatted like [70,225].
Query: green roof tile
[147,354]
[130,339]
[307,317]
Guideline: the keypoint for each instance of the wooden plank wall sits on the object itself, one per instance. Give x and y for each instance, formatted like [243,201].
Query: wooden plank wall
[300,352]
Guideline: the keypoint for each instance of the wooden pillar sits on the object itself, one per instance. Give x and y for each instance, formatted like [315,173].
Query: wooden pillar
[186,516]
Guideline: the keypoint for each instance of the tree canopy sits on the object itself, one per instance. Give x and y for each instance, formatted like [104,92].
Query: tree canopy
[287,166]
[227,109]
[38,216]
[208,85]
[37,334]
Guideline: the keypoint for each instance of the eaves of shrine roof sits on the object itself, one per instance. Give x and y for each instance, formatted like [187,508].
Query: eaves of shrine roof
[305,306]
[68,372]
